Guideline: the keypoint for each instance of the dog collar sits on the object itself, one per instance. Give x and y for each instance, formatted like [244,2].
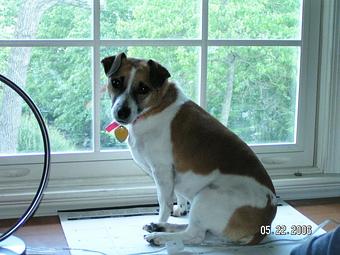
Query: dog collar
[140,117]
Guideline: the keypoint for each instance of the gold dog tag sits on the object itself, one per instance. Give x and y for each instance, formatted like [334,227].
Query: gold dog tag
[121,133]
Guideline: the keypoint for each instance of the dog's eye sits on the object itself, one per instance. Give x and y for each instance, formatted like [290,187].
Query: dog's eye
[143,89]
[117,83]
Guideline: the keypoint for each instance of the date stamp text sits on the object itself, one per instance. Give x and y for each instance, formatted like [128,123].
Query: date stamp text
[287,230]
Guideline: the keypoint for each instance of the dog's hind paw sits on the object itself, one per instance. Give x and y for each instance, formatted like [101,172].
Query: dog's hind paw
[153,227]
[179,210]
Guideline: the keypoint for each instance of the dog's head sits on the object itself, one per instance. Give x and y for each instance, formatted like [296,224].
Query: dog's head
[134,85]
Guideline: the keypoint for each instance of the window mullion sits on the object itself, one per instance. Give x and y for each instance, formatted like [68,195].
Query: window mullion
[255,42]
[203,54]
[96,75]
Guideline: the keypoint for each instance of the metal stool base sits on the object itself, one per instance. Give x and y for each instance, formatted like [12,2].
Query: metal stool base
[12,246]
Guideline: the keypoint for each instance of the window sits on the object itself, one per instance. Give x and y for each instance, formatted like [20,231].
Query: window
[251,64]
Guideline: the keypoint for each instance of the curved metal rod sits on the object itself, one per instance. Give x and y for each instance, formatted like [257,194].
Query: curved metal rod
[45,174]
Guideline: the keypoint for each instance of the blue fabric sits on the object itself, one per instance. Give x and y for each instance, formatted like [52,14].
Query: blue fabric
[326,244]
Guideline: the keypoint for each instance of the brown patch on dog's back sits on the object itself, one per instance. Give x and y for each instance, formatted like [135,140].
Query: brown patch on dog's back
[202,144]
[246,222]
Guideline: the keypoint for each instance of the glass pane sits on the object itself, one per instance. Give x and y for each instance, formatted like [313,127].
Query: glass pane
[59,82]
[260,19]
[252,90]
[181,62]
[45,19]
[129,19]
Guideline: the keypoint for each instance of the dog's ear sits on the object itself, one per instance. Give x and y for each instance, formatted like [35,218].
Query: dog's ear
[112,64]
[158,73]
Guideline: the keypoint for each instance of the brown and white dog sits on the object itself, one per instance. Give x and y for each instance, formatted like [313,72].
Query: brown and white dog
[189,153]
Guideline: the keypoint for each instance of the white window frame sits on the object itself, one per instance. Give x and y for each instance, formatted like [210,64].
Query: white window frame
[94,178]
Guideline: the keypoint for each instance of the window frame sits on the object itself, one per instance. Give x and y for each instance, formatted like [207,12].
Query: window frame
[278,158]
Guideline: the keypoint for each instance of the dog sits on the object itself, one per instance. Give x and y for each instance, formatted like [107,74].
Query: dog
[191,154]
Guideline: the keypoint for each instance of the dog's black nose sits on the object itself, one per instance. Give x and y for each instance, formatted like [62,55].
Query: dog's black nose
[124,113]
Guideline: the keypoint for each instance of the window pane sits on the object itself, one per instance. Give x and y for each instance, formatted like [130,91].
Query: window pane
[45,19]
[253,91]
[181,62]
[128,19]
[59,81]
[260,19]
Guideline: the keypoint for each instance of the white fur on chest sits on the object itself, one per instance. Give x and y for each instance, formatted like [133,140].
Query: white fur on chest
[150,139]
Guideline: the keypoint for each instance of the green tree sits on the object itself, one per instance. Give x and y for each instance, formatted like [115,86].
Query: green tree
[252,90]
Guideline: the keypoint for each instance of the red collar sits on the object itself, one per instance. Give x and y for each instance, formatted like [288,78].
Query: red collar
[140,117]
[114,124]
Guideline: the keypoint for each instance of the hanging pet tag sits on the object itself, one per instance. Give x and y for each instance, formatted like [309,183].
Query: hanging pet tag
[121,133]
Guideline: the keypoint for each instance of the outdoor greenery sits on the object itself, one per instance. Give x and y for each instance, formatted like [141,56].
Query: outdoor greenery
[252,90]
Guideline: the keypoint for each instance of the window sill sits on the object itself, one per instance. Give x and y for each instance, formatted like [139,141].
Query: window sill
[138,190]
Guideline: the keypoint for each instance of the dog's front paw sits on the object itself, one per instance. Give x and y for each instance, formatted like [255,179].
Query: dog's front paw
[153,227]
[179,210]
[154,239]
